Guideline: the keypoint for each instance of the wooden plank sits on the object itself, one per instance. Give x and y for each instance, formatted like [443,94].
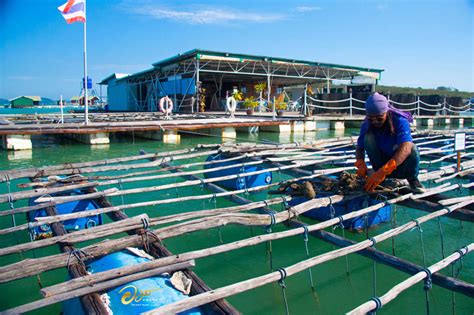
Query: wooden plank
[446,282]
[93,288]
[404,285]
[91,303]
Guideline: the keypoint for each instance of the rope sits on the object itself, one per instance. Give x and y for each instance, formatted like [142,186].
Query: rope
[432,105]
[202,182]
[305,239]
[431,110]
[394,225]
[147,232]
[458,107]
[284,203]
[357,100]
[428,284]
[378,304]
[403,104]
[10,198]
[76,253]
[325,107]
[374,268]
[268,228]
[120,184]
[146,223]
[454,111]
[282,285]
[441,235]
[325,101]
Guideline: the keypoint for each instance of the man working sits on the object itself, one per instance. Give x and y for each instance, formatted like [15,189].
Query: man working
[385,136]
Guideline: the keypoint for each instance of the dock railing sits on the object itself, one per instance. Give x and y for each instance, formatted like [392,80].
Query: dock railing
[355,106]
[415,108]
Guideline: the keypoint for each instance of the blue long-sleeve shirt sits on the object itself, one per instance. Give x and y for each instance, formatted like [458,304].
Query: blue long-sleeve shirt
[387,142]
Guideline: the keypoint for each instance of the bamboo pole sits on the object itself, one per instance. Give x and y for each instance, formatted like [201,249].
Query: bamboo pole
[57,201]
[160,170]
[246,285]
[153,221]
[43,191]
[210,180]
[449,283]
[457,174]
[391,294]
[80,235]
[205,213]
[82,214]
[31,172]
[97,287]
[171,175]
[32,267]
[450,201]
[164,159]
[445,158]
[99,277]
[120,167]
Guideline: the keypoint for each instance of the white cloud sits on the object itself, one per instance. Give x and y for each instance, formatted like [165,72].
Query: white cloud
[21,77]
[206,15]
[303,9]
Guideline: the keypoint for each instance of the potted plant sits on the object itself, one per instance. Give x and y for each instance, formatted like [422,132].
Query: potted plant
[280,107]
[250,104]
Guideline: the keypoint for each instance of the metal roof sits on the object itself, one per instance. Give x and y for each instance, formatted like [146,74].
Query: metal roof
[228,58]
[113,76]
[198,53]
[33,98]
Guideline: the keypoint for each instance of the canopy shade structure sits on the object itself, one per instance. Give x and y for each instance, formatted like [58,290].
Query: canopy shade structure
[215,69]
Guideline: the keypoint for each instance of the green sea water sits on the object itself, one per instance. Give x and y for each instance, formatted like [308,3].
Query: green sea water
[336,291]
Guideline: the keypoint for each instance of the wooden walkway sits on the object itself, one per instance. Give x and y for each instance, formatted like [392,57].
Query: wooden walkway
[128,126]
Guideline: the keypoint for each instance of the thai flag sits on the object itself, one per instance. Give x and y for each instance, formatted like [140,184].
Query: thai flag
[73,11]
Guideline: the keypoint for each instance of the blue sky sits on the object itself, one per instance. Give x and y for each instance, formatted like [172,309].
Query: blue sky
[418,43]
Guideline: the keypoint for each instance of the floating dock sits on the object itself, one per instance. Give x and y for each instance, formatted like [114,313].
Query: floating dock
[16,131]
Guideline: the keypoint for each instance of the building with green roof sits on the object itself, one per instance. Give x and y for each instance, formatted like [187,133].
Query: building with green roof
[25,101]
[211,75]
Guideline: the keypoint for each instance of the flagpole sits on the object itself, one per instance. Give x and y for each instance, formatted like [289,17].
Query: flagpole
[86,101]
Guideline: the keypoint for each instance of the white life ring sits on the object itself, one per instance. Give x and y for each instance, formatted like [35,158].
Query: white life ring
[231,104]
[169,105]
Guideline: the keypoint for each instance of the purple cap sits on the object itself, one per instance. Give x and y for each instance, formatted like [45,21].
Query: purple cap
[376,104]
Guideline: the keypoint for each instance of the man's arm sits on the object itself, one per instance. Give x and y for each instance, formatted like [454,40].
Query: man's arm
[360,154]
[403,151]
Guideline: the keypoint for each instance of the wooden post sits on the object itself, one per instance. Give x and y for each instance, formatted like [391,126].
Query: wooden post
[459,160]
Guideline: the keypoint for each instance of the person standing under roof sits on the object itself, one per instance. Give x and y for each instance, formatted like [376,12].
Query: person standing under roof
[385,136]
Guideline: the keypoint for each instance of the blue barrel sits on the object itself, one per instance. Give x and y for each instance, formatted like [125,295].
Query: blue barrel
[44,230]
[358,223]
[243,182]
[134,297]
